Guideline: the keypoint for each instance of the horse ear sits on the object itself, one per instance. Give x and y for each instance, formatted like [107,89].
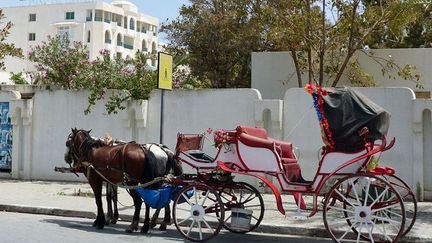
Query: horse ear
[89,131]
[73,130]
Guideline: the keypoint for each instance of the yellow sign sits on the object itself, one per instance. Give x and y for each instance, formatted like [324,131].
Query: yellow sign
[165,69]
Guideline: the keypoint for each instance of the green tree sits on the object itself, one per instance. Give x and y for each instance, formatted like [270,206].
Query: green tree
[7,49]
[416,34]
[323,36]
[218,36]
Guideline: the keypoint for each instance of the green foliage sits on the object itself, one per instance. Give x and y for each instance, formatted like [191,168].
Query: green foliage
[414,34]
[7,49]
[322,36]
[18,78]
[218,36]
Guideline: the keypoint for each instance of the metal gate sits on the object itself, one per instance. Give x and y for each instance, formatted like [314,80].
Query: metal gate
[5,138]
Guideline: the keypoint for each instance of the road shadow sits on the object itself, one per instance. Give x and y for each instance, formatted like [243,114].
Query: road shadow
[171,234]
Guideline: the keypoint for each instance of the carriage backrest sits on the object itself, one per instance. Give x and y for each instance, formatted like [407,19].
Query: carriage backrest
[253,131]
[187,142]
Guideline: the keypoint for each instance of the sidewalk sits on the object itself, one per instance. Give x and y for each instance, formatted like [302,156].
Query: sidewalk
[54,198]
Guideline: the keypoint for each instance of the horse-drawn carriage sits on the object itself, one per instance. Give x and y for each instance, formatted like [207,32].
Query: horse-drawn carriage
[360,199]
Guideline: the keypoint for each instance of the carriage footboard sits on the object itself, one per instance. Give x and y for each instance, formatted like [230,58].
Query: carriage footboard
[263,179]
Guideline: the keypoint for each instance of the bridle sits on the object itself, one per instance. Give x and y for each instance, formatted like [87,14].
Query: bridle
[73,150]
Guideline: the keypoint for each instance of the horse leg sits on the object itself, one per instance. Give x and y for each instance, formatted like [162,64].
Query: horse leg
[167,218]
[153,221]
[146,225]
[96,184]
[135,220]
[109,199]
[114,200]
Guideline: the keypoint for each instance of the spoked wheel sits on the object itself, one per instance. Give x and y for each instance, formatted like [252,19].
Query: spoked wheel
[242,196]
[364,207]
[198,212]
[409,200]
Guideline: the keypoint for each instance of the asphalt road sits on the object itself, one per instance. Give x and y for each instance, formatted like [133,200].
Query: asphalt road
[31,228]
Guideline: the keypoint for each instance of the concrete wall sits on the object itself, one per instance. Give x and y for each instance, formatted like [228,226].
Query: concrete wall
[42,123]
[273,72]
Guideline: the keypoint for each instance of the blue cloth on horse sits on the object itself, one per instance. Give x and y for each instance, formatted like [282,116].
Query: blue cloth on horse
[156,198]
[160,198]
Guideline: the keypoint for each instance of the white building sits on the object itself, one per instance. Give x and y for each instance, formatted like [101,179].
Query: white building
[117,27]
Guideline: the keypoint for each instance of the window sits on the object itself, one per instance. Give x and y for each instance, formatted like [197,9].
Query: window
[132,24]
[107,37]
[70,15]
[89,16]
[32,17]
[65,32]
[32,36]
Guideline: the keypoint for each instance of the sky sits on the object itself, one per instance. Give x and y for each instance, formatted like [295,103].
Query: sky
[162,9]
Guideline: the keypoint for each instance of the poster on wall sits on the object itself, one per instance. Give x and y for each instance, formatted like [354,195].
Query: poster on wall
[5,138]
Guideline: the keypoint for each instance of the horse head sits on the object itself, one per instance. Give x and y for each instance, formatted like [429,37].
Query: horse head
[74,144]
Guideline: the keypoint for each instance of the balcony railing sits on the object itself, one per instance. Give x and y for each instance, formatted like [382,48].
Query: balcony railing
[89,19]
[107,21]
[108,41]
[99,19]
[119,43]
[154,52]
[145,49]
[128,46]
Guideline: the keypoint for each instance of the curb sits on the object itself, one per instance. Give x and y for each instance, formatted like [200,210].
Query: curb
[263,228]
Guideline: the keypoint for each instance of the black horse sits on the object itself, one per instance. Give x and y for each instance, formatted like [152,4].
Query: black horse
[129,163]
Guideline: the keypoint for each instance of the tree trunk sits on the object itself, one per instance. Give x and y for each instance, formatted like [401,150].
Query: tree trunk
[297,67]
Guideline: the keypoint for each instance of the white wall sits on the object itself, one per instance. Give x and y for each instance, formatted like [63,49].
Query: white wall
[274,72]
[42,124]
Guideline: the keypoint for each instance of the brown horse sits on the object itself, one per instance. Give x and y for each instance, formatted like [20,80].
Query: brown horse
[128,163]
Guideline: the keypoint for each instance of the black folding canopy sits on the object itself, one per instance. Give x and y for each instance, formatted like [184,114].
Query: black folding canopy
[347,112]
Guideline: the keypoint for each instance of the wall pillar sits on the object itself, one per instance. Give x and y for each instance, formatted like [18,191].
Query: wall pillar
[21,118]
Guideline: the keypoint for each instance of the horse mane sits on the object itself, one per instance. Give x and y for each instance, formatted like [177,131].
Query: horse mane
[89,143]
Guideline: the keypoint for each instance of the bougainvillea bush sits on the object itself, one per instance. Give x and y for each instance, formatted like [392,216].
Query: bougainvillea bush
[62,63]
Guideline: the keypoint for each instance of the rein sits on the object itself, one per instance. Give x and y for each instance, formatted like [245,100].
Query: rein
[142,185]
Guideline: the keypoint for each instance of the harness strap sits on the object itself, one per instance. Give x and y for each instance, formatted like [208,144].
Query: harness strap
[126,177]
[140,185]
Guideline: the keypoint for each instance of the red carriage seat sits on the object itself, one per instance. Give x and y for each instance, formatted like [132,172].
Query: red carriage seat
[257,137]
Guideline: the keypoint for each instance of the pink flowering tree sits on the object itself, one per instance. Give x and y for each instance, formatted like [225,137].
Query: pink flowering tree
[6,49]
[113,80]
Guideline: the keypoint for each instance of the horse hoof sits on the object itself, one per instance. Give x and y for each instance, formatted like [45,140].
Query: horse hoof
[144,230]
[113,221]
[152,225]
[162,227]
[99,227]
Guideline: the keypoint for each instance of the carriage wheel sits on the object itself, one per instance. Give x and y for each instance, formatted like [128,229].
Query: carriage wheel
[198,212]
[364,206]
[409,199]
[242,196]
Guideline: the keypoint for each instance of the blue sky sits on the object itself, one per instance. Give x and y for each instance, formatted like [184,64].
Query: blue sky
[162,9]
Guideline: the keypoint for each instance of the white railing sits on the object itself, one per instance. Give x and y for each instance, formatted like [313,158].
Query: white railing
[44,2]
